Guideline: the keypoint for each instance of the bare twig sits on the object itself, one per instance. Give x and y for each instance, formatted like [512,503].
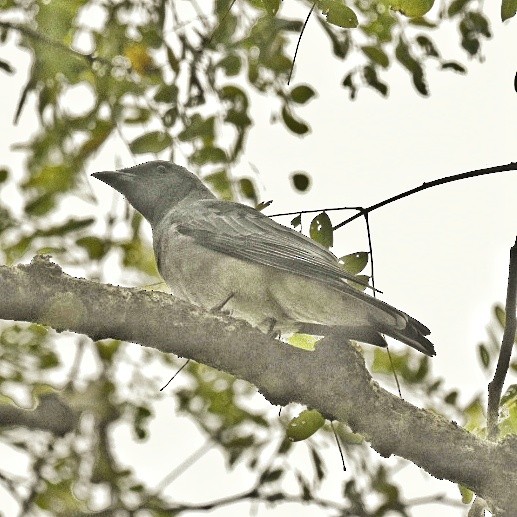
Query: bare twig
[448,179]
[495,387]
[298,43]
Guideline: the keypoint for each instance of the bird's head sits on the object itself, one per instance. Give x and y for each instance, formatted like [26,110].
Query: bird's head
[153,188]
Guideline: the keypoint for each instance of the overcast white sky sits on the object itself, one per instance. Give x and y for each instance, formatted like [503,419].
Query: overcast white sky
[440,255]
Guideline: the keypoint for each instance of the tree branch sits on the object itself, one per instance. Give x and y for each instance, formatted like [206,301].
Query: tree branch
[332,379]
[496,386]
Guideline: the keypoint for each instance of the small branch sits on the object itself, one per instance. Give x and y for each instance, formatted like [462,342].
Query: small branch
[442,181]
[495,387]
[298,43]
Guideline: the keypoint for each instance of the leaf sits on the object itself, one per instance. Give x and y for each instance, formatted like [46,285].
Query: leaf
[500,315]
[412,65]
[412,8]
[456,7]
[167,93]
[301,94]
[508,9]
[321,230]
[427,45]
[6,67]
[377,55]
[296,126]
[199,127]
[301,181]
[231,64]
[296,221]
[248,190]
[354,263]
[341,15]
[304,425]
[270,476]
[95,247]
[370,76]
[452,65]
[153,142]
[4,174]
[303,341]
[208,154]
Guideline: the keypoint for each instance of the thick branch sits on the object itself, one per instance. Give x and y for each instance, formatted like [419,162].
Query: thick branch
[333,379]
[496,386]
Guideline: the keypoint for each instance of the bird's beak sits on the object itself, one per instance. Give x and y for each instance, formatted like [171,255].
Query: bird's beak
[115,179]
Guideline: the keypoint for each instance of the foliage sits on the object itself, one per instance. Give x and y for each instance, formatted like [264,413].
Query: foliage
[171,82]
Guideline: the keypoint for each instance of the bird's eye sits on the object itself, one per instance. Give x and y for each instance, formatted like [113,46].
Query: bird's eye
[162,169]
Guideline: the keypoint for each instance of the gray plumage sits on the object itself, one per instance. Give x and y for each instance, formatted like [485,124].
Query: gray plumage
[223,254]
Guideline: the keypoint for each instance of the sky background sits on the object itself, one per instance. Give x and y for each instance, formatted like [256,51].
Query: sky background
[440,255]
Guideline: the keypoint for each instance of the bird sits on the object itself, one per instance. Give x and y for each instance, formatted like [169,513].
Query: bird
[224,255]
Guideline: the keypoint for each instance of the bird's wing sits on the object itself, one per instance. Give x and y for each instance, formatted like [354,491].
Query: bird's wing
[246,234]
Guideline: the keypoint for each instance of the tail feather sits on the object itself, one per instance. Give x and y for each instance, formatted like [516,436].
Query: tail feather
[413,335]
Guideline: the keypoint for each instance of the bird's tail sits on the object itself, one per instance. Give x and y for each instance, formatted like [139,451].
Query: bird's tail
[413,335]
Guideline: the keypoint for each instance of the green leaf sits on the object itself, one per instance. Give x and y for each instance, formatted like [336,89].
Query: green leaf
[208,154]
[303,341]
[304,425]
[271,6]
[321,230]
[296,126]
[199,127]
[95,247]
[341,15]
[466,494]
[248,190]
[296,221]
[6,67]
[456,7]
[301,181]
[4,174]
[500,315]
[452,65]
[362,282]
[412,8]
[377,55]
[427,45]
[221,184]
[153,142]
[370,76]
[301,94]
[231,64]
[354,263]
[71,225]
[40,205]
[167,93]
[414,67]
[508,9]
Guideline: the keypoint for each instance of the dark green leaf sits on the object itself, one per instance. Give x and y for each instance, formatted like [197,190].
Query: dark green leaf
[70,226]
[348,82]
[248,190]
[167,93]
[221,184]
[321,230]
[6,67]
[301,94]
[456,7]
[231,64]
[319,465]
[270,476]
[377,55]
[451,398]
[508,9]
[340,39]
[4,173]
[296,126]
[301,181]
[370,76]
[354,263]
[427,45]
[296,221]
[40,205]
[95,247]
[304,425]
[153,142]
[405,58]
[452,65]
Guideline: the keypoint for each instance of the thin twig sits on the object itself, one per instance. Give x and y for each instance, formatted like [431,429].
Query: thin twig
[340,449]
[177,372]
[448,179]
[298,43]
[496,385]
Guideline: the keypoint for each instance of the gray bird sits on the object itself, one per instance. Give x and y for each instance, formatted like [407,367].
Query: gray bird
[219,254]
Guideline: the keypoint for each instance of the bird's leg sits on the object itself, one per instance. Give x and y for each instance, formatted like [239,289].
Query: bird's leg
[220,306]
[271,332]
